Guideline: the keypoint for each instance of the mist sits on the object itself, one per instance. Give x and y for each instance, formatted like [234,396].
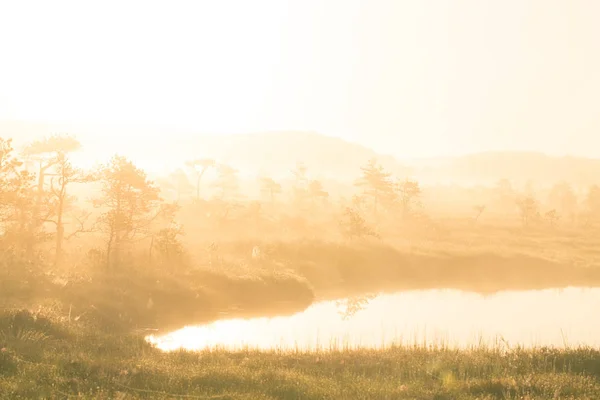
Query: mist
[299,200]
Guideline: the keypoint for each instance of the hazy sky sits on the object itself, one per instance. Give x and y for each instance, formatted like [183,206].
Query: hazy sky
[412,78]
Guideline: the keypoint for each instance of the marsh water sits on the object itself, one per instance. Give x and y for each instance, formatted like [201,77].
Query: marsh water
[552,317]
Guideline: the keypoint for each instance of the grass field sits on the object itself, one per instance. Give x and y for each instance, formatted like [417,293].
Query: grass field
[40,358]
[82,336]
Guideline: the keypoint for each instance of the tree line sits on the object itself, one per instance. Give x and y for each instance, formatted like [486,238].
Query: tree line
[37,202]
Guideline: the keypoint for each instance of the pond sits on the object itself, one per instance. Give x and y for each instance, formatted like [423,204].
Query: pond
[452,318]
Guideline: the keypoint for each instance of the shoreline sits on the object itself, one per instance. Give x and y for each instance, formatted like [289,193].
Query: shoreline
[55,360]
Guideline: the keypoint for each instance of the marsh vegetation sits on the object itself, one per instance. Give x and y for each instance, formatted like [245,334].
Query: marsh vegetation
[100,260]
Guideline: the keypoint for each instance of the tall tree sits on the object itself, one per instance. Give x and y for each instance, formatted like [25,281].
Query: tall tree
[130,203]
[15,191]
[200,166]
[409,193]
[46,153]
[269,187]
[375,182]
[64,174]
[227,183]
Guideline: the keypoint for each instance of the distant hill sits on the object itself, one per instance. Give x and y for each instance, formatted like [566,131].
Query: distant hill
[275,153]
[519,167]
[268,153]
[157,148]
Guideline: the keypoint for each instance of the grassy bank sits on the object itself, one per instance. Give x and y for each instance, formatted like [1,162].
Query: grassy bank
[286,278]
[135,299]
[83,336]
[43,358]
[336,269]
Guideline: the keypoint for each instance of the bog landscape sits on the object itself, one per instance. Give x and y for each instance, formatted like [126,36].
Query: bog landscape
[117,283]
[300,200]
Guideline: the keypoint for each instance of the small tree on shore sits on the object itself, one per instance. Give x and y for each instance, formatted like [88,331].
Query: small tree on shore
[130,202]
[354,226]
[375,183]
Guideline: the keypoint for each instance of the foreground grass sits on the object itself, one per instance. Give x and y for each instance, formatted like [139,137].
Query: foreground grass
[40,358]
[84,347]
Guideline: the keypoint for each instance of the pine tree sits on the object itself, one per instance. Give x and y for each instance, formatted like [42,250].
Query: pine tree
[376,184]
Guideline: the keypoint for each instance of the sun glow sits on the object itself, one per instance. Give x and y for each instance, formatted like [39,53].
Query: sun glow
[401,77]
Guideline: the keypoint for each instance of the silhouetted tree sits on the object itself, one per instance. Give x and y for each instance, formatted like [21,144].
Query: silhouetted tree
[47,153]
[63,174]
[227,183]
[375,182]
[354,226]
[130,202]
[528,208]
[200,166]
[409,193]
[270,187]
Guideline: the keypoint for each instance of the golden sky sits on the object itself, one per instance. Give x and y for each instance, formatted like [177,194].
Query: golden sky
[411,78]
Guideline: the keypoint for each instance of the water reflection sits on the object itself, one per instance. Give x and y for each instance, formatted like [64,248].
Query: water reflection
[449,317]
[351,305]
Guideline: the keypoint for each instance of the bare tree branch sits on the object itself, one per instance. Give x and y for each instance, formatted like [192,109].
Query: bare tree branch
[82,229]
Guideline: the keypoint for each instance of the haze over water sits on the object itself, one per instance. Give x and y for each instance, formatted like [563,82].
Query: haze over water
[552,317]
